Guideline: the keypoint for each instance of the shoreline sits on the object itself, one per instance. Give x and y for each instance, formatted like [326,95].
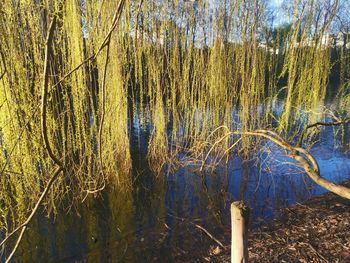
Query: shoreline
[315,231]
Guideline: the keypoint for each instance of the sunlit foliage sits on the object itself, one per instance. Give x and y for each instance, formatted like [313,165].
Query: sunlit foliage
[182,67]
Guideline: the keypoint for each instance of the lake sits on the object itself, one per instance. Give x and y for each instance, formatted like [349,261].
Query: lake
[155,220]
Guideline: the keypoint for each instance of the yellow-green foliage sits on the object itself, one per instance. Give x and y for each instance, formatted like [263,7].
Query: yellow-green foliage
[307,63]
[191,66]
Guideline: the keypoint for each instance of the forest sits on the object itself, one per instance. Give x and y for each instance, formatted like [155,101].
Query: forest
[144,120]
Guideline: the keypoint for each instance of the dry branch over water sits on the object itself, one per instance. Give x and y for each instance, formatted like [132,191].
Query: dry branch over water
[305,159]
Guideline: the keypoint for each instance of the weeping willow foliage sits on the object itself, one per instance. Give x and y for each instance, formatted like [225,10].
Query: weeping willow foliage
[182,67]
[344,72]
[75,103]
[307,60]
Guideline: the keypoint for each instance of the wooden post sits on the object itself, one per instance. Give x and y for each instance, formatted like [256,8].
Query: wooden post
[239,223]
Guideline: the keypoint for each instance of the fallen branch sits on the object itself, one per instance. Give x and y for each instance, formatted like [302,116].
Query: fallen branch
[209,235]
[308,162]
[199,227]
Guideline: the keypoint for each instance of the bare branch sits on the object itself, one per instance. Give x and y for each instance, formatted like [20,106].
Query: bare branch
[113,26]
[316,125]
[306,160]
[16,245]
[308,163]
[45,95]
[37,205]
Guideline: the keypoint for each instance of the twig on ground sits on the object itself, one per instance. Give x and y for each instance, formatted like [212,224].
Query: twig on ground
[201,228]
[315,251]
[209,235]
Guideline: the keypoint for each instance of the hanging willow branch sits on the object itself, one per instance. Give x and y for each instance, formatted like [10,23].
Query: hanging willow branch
[24,225]
[100,130]
[4,63]
[106,43]
[47,145]
[115,19]
[44,96]
[44,130]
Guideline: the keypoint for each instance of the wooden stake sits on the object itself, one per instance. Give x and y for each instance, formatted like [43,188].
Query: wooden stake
[239,223]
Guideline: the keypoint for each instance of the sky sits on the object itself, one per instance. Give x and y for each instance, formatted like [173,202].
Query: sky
[276,3]
[281,17]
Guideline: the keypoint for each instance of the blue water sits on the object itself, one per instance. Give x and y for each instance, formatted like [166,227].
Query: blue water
[154,220]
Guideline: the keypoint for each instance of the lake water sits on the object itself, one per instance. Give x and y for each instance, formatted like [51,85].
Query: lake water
[155,220]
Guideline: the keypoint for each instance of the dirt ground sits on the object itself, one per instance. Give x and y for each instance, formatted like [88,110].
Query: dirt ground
[315,231]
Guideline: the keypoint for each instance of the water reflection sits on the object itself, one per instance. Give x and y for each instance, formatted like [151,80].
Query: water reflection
[153,221]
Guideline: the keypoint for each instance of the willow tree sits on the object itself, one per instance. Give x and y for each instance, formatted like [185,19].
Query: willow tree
[74,106]
[180,68]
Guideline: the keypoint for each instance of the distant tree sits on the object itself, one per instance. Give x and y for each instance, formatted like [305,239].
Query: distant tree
[342,22]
